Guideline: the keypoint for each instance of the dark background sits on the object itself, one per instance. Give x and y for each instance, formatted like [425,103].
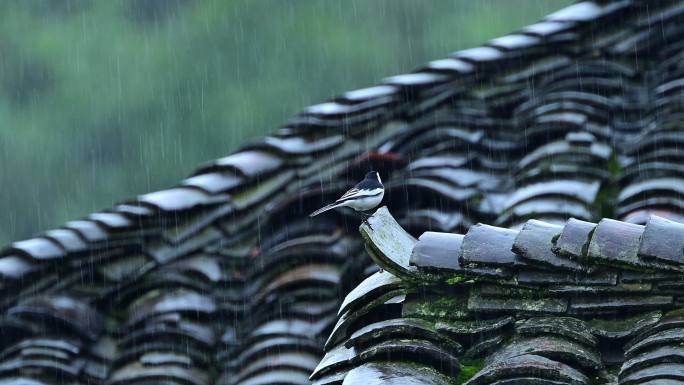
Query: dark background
[104,100]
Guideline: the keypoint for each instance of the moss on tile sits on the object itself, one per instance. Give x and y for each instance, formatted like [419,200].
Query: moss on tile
[468,370]
[436,308]
[455,279]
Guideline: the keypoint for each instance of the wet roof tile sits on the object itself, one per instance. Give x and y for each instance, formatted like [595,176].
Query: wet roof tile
[176,301]
[663,240]
[547,28]
[450,65]
[514,41]
[437,251]
[370,93]
[577,355]
[578,190]
[616,243]
[640,189]
[393,256]
[535,243]
[80,317]
[179,199]
[15,267]
[372,286]
[137,373]
[489,246]
[38,248]
[113,221]
[67,239]
[419,79]
[249,163]
[479,54]
[214,182]
[298,146]
[574,239]
[400,328]
[421,351]
[582,11]
[88,230]
[571,328]
[529,365]
[394,374]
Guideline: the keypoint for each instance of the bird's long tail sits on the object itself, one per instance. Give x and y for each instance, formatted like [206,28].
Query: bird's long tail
[324,209]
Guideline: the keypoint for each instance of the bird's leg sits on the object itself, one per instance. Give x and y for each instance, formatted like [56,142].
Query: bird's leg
[365,216]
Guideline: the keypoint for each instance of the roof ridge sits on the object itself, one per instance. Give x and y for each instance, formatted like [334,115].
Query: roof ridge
[564,283]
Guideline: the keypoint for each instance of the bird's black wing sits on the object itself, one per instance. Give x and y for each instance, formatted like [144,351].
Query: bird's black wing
[350,194]
[367,184]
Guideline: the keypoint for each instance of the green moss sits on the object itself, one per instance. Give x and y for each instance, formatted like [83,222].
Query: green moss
[475,200]
[623,324]
[614,166]
[516,293]
[675,313]
[604,206]
[456,279]
[436,308]
[417,369]
[585,246]
[468,370]
[534,294]
[423,279]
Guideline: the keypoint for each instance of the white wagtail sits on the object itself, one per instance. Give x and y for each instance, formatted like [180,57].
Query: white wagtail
[366,195]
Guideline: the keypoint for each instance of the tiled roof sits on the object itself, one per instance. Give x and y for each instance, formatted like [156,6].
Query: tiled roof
[224,279]
[574,303]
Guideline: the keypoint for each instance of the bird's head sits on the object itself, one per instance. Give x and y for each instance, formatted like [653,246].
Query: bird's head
[374,175]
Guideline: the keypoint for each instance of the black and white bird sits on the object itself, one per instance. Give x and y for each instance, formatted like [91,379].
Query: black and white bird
[366,195]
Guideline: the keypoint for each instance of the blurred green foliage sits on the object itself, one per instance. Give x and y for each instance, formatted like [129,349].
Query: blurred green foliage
[104,100]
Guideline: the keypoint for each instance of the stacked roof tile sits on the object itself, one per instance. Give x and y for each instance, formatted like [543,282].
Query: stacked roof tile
[577,303]
[224,279]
